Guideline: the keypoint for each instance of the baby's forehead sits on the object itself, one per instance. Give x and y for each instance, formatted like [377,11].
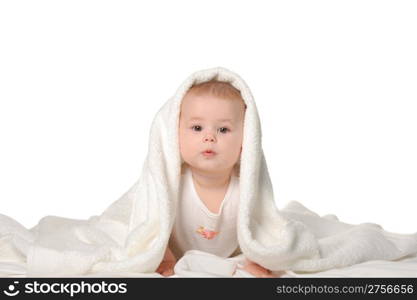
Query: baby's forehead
[230,114]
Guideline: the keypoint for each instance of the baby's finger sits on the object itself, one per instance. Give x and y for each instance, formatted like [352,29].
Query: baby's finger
[168,272]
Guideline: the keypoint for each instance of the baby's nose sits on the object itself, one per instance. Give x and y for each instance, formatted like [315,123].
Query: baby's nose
[209,138]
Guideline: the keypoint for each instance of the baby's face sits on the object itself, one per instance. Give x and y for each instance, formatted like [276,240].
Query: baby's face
[211,123]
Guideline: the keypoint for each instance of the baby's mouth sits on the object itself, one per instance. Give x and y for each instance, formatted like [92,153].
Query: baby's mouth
[208,153]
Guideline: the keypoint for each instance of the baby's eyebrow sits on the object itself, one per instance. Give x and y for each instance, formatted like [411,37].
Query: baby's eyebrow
[225,120]
[220,120]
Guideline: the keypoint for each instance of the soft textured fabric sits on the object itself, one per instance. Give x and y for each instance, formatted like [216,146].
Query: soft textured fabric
[131,235]
[198,228]
[202,264]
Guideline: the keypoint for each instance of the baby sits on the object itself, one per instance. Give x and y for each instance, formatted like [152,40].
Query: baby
[210,139]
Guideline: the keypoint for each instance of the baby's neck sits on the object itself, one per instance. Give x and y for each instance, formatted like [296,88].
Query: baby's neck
[207,180]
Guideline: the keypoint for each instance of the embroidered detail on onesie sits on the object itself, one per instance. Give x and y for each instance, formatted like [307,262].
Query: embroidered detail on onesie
[207,234]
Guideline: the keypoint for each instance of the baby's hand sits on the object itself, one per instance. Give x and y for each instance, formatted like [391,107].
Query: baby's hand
[166,268]
[256,269]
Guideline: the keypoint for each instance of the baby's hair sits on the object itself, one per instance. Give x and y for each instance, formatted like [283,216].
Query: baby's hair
[217,88]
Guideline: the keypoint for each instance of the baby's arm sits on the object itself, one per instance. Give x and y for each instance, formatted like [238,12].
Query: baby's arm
[166,267]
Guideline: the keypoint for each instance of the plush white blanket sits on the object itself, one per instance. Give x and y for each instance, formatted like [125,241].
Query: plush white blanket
[131,235]
[202,264]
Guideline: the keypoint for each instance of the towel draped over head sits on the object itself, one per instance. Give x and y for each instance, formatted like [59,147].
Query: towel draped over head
[131,235]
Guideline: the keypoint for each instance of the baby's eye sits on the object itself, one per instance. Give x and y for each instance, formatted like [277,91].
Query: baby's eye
[196,127]
[224,130]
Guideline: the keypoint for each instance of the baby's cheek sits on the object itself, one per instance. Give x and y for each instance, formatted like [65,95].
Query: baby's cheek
[190,147]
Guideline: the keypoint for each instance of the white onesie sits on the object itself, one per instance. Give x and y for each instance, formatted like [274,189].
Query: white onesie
[197,228]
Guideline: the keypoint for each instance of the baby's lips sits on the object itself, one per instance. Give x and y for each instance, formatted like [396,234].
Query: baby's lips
[209,151]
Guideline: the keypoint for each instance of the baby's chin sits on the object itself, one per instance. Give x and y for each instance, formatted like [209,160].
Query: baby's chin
[209,166]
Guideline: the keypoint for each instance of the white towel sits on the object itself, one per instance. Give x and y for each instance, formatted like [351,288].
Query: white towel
[131,235]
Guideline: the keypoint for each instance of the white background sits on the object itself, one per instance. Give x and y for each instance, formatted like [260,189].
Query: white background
[334,81]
